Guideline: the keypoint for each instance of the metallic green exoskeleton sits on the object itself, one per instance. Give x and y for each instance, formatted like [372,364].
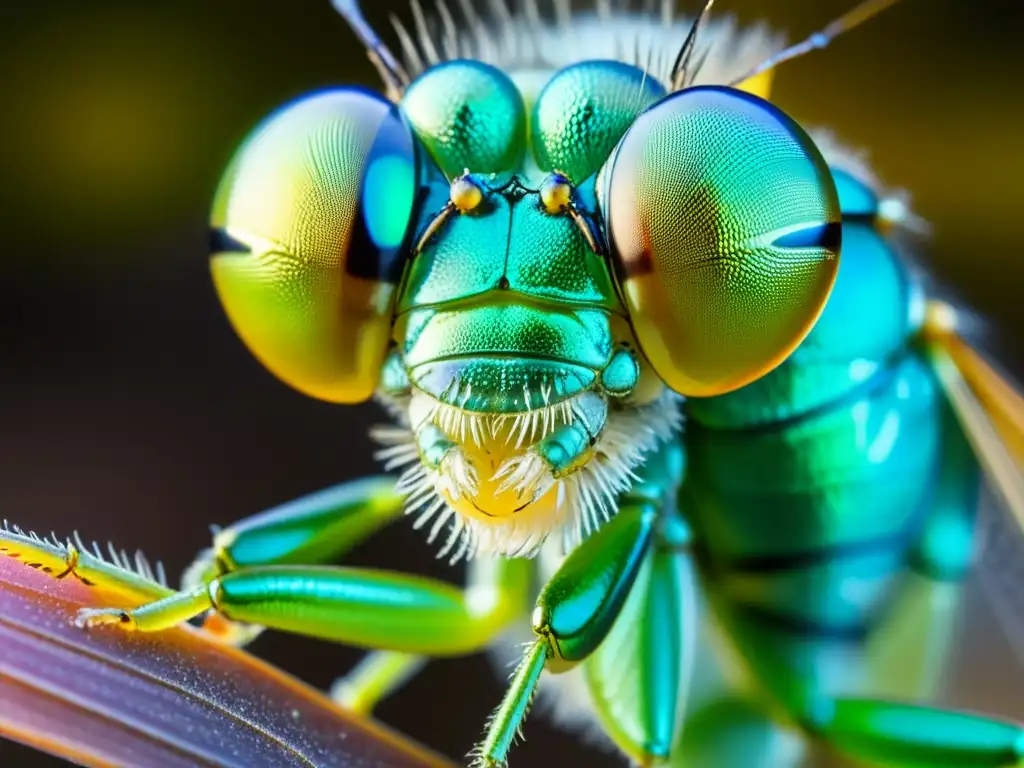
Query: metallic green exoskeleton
[532,255]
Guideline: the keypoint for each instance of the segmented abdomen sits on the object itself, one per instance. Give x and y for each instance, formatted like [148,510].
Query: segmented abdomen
[810,490]
[804,521]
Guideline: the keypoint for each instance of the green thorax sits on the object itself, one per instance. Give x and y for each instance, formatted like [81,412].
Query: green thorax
[507,307]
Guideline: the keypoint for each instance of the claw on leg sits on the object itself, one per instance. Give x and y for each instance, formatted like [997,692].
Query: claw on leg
[70,563]
[98,617]
[151,617]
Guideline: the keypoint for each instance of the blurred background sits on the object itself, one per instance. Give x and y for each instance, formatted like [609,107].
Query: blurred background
[129,411]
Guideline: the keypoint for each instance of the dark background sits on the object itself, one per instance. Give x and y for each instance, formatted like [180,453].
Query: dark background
[129,411]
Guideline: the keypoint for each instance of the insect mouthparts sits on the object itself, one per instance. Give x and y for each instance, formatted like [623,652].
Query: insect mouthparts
[503,483]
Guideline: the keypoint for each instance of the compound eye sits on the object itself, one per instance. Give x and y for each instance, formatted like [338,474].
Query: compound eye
[310,232]
[725,227]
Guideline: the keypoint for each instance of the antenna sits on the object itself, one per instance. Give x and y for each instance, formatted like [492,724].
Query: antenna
[852,18]
[681,67]
[395,78]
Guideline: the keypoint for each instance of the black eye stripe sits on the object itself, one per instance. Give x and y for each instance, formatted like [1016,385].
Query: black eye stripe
[815,236]
[220,241]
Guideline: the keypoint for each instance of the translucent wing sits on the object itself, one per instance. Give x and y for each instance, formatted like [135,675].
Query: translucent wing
[177,698]
[990,408]
[1000,570]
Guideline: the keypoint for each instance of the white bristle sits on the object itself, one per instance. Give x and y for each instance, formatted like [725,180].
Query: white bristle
[585,499]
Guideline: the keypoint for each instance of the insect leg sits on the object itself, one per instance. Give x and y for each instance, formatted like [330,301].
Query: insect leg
[898,735]
[317,528]
[378,675]
[639,677]
[364,607]
[151,617]
[574,614]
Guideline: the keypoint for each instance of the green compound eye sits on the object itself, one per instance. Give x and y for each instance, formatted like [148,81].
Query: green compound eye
[725,227]
[469,115]
[309,238]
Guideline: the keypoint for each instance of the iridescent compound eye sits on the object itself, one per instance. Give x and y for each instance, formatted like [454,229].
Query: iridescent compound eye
[724,223]
[310,229]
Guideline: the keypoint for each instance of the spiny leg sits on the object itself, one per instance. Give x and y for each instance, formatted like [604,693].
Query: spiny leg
[623,604]
[316,528]
[357,606]
[506,722]
[639,676]
[575,613]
